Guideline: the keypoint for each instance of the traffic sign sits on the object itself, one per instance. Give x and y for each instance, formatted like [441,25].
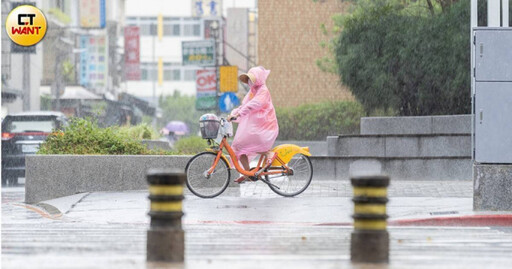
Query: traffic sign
[228,101]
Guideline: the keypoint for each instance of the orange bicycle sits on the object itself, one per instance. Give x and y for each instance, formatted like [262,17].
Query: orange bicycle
[209,172]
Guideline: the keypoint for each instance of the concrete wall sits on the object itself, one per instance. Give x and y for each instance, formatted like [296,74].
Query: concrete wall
[451,124]
[157,145]
[492,187]
[457,145]
[341,168]
[316,148]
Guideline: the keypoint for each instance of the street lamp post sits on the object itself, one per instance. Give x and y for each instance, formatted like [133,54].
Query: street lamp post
[214,27]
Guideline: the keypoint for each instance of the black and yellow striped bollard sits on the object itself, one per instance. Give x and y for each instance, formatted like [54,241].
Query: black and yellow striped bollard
[370,239]
[165,237]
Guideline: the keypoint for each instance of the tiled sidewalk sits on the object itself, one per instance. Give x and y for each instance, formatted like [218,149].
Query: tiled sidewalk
[342,188]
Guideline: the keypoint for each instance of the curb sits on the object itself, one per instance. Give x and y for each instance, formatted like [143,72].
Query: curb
[502,220]
[460,221]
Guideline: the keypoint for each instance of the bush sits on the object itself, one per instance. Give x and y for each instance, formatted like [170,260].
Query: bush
[83,136]
[190,145]
[139,132]
[317,121]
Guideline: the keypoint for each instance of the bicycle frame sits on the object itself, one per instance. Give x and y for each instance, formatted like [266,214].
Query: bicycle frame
[255,172]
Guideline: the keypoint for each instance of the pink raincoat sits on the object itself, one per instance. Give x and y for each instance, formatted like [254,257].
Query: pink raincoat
[257,130]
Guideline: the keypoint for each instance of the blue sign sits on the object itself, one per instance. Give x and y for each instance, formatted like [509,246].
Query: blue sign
[103,17]
[84,60]
[228,101]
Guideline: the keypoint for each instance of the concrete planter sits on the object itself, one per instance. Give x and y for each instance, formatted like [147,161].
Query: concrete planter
[53,176]
[157,145]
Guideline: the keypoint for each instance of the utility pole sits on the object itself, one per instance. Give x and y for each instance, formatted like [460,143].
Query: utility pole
[154,74]
[56,85]
[26,82]
[214,27]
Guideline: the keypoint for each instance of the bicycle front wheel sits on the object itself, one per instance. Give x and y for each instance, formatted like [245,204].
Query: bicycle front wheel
[202,184]
[291,185]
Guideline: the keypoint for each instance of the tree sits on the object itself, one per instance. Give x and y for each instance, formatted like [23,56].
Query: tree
[409,56]
[181,108]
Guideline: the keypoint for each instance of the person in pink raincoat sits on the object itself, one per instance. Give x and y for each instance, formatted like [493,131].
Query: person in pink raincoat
[258,129]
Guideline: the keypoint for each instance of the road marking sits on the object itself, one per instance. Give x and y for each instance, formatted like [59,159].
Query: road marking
[39,211]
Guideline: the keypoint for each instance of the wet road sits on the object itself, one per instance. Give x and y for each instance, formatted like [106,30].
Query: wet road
[108,230]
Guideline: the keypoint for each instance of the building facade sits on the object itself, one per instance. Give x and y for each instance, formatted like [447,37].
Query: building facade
[21,72]
[289,37]
[181,21]
[167,49]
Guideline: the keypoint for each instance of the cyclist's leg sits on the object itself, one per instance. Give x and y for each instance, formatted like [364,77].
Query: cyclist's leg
[270,158]
[245,162]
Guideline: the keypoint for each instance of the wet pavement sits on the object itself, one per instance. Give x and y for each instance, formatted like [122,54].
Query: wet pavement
[249,227]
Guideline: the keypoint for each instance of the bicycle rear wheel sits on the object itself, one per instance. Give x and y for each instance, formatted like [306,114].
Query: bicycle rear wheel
[291,185]
[202,185]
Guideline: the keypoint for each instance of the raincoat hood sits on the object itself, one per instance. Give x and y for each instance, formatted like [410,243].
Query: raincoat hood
[260,74]
[257,75]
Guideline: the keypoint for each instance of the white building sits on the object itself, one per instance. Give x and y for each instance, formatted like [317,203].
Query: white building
[178,26]
[20,72]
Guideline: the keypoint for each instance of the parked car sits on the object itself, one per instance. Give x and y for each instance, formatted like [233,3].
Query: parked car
[22,134]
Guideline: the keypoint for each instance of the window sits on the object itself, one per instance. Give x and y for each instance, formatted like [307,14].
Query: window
[172,74]
[188,30]
[167,75]
[171,29]
[153,29]
[167,30]
[176,29]
[144,74]
[30,125]
[190,75]
[145,29]
[154,74]
[197,30]
[148,20]
[176,74]
[173,26]
[148,71]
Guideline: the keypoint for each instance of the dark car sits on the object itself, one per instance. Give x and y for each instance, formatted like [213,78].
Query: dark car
[22,134]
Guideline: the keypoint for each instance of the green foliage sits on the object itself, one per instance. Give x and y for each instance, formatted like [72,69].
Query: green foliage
[68,71]
[46,102]
[139,132]
[327,63]
[99,108]
[317,121]
[181,108]
[83,136]
[403,57]
[190,145]
[59,15]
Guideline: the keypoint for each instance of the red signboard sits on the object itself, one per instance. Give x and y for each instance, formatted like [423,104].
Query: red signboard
[132,53]
[206,84]
[206,80]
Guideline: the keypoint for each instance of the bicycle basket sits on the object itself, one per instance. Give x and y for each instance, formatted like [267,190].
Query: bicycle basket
[209,125]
